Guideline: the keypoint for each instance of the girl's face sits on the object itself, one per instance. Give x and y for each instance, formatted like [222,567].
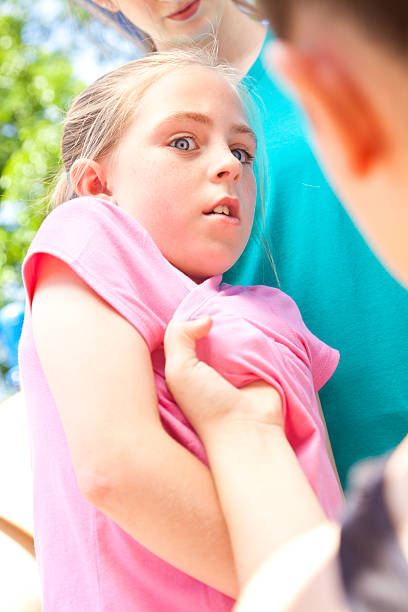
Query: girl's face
[183,169]
[173,21]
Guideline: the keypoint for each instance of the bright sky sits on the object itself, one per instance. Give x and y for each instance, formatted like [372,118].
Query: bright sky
[100,48]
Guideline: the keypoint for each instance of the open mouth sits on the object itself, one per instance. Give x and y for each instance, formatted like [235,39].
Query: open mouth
[228,207]
[188,11]
[220,210]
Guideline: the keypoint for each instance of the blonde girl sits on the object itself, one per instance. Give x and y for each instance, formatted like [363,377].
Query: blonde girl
[158,174]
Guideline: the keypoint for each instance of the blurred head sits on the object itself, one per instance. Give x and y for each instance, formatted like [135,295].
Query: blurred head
[167,139]
[347,63]
[381,21]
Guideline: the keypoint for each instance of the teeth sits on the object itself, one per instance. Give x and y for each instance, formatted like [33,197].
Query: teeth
[224,210]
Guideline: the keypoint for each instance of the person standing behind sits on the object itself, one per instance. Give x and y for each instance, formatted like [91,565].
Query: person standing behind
[345,295]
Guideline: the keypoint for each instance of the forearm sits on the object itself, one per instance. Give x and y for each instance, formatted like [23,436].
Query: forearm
[277,503]
[328,444]
[264,494]
[299,577]
[165,498]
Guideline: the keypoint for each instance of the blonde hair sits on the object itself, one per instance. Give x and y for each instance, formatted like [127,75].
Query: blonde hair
[100,114]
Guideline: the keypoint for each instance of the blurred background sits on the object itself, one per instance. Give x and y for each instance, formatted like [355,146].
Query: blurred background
[49,50]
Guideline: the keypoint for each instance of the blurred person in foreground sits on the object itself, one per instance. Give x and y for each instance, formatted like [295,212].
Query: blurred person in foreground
[347,64]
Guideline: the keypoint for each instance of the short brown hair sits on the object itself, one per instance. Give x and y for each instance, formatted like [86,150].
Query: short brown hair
[384,20]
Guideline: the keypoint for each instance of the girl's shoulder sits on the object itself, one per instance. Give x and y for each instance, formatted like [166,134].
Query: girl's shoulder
[97,227]
[78,218]
[113,254]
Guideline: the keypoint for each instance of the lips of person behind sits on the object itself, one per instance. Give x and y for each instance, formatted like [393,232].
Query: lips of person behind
[185,13]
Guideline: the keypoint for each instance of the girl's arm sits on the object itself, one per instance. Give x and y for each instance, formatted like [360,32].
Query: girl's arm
[305,574]
[300,577]
[99,372]
[264,494]
[328,443]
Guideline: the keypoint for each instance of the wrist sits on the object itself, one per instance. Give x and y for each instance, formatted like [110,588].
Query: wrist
[256,408]
[236,431]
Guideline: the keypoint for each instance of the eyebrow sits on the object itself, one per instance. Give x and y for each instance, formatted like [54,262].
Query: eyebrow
[239,128]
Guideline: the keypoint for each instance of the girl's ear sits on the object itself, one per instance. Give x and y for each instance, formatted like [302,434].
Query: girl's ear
[345,127]
[89,179]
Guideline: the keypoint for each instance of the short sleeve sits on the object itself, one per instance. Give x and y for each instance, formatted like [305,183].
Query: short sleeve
[291,331]
[323,359]
[254,329]
[258,334]
[116,257]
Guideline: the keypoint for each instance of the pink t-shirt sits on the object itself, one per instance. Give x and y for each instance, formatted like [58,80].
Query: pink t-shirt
[87,562]
[258,333]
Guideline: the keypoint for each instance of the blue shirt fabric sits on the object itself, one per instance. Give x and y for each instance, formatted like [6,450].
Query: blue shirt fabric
[344,294]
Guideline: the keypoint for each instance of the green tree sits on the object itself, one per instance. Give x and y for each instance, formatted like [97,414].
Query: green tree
[36,87]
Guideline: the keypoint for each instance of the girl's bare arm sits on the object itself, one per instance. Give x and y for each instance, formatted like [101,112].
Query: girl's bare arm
[264,494]
[328,443]
[99,371]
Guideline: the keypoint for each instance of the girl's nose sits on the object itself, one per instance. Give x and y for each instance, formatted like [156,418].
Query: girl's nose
[227,168]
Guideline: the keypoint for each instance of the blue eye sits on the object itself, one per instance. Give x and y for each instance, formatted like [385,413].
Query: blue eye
[186,143]
[242,155]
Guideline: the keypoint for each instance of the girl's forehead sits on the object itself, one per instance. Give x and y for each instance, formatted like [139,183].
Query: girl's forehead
[195,77]
[195,87]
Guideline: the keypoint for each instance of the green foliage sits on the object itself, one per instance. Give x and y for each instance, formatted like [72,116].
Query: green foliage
[36,87]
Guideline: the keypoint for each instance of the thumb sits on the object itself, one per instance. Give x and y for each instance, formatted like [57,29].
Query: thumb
[181,337]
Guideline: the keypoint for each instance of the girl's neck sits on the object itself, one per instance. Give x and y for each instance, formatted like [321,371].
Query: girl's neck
[240,38]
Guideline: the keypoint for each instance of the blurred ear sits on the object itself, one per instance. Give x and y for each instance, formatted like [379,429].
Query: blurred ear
[89,179]
[343,122]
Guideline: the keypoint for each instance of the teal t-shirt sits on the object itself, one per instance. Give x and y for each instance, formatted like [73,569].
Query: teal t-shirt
[344,294]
